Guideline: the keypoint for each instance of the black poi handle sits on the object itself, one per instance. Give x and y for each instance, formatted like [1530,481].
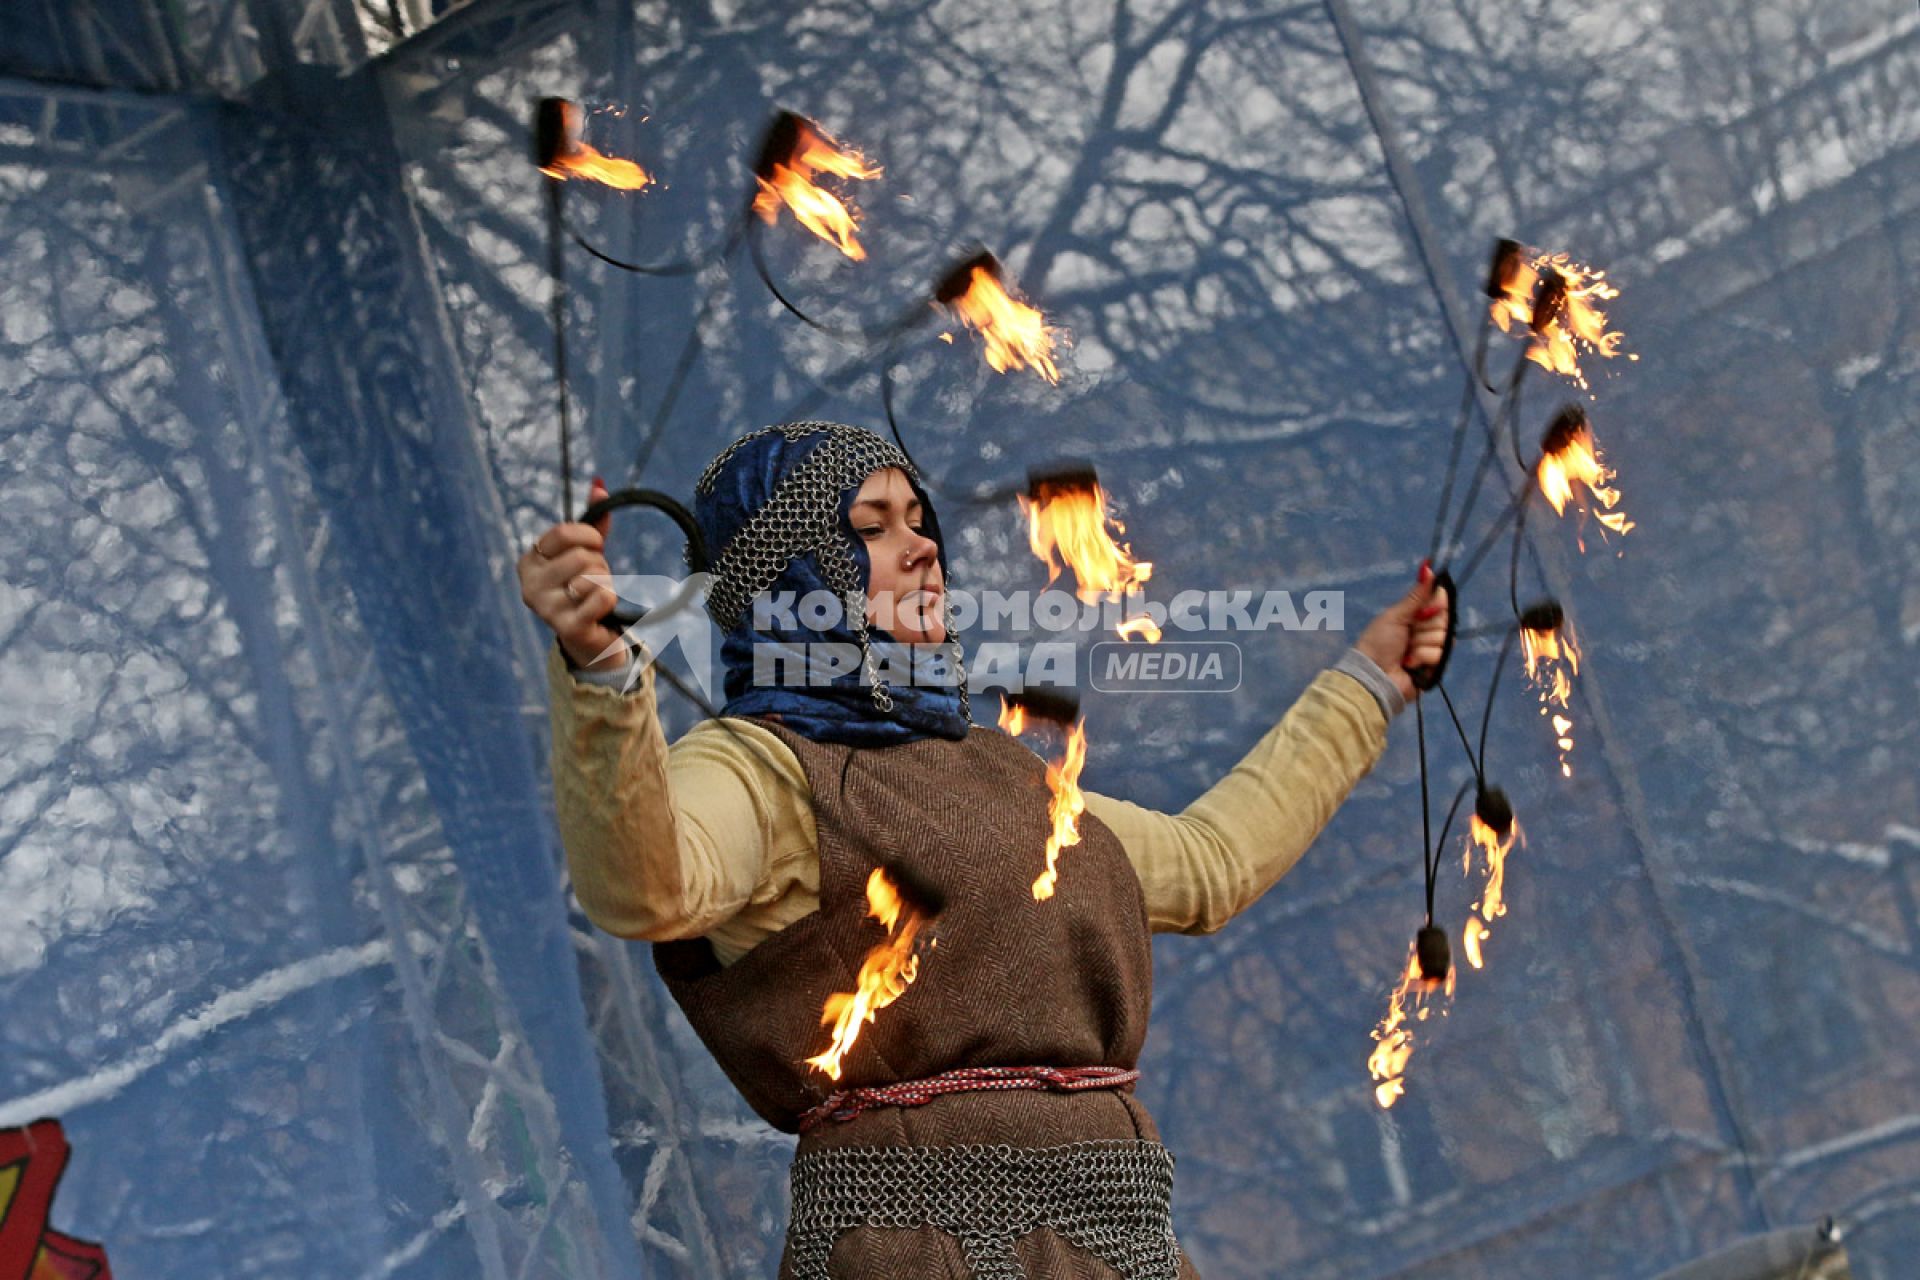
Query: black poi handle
[696,549]
[1425,678]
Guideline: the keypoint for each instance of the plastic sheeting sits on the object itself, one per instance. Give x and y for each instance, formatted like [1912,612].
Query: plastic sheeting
[287,945]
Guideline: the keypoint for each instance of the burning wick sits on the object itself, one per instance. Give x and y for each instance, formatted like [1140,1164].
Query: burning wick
[1510,280]
[794,152]
[1557,300]
[560,153]
[1063,775]
[1569,457]
[1430,949]
[1494,835]
[884,975]
[1067,513]
[1393,1038]
[1017,336]
[1552,657]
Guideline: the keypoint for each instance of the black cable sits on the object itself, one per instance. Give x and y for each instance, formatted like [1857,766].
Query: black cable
[1460,420]
[1511,406]
[557,305]
[886,402]
[1513,563]
[1514,506]
[1493,687]
[1488,453]
[838,379]
[765,272]
[1479,371]
[1433,866]
[1426,818]
[1460,729]
[666,269]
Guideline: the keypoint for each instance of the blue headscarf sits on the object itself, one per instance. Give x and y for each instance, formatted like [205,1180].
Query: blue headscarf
[843,711]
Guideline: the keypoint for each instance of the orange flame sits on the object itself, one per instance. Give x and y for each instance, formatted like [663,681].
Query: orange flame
[1578,325]
[1073,520]
[1063,779]
[884,974]
[1541,648]
[1577,461]
[1013,717]
[578,160]
[1393,1047]
[1471,935]
[1492,904]
[1017,335]
[816,209]
[1552,658]
[1140,626]
[1513,308]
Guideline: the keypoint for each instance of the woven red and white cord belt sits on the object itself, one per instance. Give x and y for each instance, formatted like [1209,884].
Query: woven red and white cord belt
[848,1103]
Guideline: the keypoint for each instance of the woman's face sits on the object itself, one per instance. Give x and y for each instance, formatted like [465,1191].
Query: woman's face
[904,585]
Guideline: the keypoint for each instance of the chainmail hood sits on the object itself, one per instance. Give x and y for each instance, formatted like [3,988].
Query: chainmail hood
[773,507]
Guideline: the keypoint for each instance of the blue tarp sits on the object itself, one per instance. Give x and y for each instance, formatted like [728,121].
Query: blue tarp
[286,941]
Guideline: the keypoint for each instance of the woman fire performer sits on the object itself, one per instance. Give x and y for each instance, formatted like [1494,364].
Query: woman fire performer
[983,1124]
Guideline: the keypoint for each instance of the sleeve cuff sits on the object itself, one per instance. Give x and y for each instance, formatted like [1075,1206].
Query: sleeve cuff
[1364,669]
[607,677]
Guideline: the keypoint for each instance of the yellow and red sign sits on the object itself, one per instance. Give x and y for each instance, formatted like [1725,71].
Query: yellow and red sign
[31,1162]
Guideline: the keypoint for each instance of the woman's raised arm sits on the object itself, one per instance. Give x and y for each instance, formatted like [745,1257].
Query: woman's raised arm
[661,844]
[1210,862]
[1203,866]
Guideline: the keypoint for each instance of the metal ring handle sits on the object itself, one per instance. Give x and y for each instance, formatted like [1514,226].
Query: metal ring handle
[696,549]
[1425,678]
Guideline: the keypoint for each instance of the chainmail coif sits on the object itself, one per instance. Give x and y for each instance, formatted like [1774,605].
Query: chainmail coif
[803,515]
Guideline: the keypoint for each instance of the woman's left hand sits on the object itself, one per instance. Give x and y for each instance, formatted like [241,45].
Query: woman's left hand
[1411,633]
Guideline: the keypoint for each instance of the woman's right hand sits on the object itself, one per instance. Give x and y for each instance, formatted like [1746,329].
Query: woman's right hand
[564,580]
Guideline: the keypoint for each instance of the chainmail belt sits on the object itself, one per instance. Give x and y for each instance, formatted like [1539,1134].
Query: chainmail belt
[1112,1198]
[848,1103]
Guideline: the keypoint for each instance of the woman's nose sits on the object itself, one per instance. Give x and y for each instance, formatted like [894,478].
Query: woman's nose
[922,548]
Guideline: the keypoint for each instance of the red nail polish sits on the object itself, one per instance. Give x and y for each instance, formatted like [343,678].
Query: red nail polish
[598,483]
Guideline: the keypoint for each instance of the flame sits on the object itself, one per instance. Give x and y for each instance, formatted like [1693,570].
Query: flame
[1513,307]
[884,974]
[1577,461]
[1073,520]
[816,209]
[1492,904]
[1140,626]
[1013,717]
[1063,778]
[1542,648]
[578,160]
[1393,1038]
[1552,658]
[1470,938]
[1017,335]
[1577,325]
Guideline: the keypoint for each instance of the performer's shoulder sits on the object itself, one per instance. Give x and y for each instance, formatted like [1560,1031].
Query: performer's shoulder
[735,742]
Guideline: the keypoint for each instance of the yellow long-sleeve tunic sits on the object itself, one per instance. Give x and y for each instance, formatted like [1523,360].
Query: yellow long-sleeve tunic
[715,835]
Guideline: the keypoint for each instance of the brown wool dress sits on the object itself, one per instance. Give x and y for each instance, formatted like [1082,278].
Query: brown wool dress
[1008,981]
